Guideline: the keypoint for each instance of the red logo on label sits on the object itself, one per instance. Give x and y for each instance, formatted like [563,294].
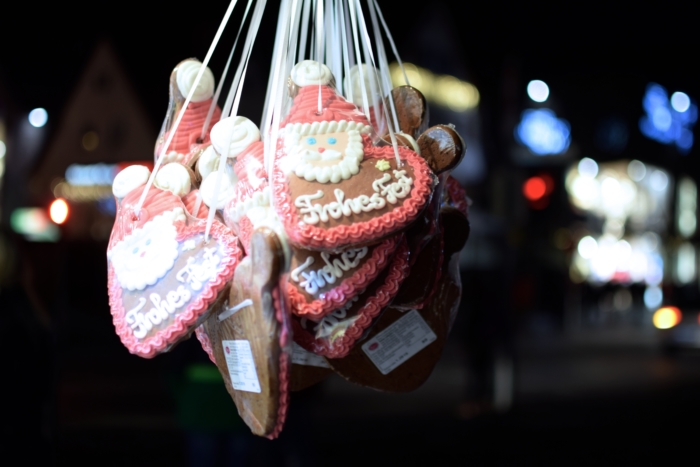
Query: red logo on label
[227,350]
[374,346]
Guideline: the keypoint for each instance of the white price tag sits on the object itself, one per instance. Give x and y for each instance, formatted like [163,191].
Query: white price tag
[241,365]
[402,340]
[300,356]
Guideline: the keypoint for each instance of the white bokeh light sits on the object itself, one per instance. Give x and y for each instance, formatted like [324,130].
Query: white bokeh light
[538,90]
[636,170]
[653,297]
[587,247]
[38,117]
[680,101]
[587,167]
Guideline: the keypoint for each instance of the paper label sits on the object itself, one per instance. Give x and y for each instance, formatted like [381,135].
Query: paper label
[241,366]
[301,356]
[402,340]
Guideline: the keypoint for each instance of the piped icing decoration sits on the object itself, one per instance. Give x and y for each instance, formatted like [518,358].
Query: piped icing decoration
[208,162]
[185,76]
[237,132]
[131,177]
[353,81]
[335,333]
[309,73]
[320,282]
[225,193]
[174,178]
[382,165]
[164,276]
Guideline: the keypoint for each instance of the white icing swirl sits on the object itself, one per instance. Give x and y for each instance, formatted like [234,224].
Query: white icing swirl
[238,132]
[324,127]
[144,256]
[208,162]
[354,82]
[259,199]
[185,76]
[131,177]
[174,178]
[307,73]
[226,190]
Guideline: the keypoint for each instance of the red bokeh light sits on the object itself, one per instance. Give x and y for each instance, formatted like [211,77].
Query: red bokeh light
[535,188]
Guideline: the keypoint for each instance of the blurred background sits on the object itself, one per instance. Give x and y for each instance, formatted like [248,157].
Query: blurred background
[579,326]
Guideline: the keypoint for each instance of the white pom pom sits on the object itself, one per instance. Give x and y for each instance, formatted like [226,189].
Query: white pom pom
[307,73]
[238,132]
[132,177]
[186,74]
[174,178]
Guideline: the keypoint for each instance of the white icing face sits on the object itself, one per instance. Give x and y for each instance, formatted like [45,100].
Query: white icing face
[174,178]
[208,162]
[185,76]
[227,189]
[237,132]
[328,157]
[132,177]
[353,82]
[143,257]
[308,72]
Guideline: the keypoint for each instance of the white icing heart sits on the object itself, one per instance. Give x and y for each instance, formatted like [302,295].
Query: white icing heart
[131,177]
[308,72]
[185,76]
[174,178]
[237,132]
[353,82]
[148,253]
[227,189]
[208,162]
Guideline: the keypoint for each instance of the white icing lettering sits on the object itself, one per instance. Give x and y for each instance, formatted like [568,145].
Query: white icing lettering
[312,281]
[197,274]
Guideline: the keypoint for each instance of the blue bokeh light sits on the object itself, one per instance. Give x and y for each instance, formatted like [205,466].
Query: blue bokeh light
[543,133]
[668,121]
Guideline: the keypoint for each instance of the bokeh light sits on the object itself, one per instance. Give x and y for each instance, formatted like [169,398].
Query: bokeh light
[534,188]
[38,117]
[59,211]
[538,90]
[667,317]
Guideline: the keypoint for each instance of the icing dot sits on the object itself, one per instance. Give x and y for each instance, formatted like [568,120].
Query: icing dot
[332,140]
[148,242]
[311,140]
[135,250]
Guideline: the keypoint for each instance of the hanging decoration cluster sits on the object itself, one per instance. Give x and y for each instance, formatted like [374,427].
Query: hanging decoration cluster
[324,240]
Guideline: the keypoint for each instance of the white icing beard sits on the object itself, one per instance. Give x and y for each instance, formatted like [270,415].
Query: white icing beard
[148,253]
[208,162]
[353,81]
[308,72]
[174,178]
[259,199]
[227,189]
[131,177]
[237,132]
[383,194]
[185,76]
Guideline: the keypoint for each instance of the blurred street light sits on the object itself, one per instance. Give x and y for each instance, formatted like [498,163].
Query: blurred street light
[38,117]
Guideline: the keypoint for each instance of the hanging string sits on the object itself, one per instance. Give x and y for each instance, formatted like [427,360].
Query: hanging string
[383,63]
[304,30]
[346,55]
[319,48]
[197,79]
[215,100]
[391,40]
[353,20]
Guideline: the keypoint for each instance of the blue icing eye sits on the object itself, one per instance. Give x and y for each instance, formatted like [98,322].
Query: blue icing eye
[311,140]
[332,140]
[148,242]
[135,250]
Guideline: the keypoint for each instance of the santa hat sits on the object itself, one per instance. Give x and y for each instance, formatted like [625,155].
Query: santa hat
[304,114]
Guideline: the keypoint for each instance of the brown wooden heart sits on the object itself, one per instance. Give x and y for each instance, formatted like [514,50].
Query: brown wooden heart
[252,346]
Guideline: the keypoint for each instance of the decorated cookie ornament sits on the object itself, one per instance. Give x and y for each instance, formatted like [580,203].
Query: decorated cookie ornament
[335,334]
[188,141]
[332,187]
[251,337]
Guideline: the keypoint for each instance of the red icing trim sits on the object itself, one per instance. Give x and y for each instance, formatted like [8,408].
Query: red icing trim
[398,271]
[285,366]
[190,201]
[349,288]
[203,339]
[190,127]
[151,346]
[457,195]
[343,236]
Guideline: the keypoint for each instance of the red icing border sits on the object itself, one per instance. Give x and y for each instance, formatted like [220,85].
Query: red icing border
[398,271]
[285,366]
[151,346]
[203,339]
[349,288]
[343,236]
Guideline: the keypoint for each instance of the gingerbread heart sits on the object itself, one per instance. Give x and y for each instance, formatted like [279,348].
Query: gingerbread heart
[251,339]
[308,369]
[334,335]
[321,282]
[187,141]
[332,187]
[164,276]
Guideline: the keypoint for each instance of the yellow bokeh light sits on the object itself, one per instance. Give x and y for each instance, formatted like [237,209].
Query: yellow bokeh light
[667,317]
[444,90]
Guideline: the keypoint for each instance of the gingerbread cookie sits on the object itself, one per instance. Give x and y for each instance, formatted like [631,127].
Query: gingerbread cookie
[251,339]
